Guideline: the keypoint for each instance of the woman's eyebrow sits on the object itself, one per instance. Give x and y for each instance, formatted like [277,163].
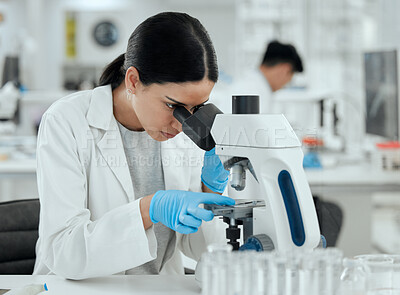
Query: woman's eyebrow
[181,103]
[175,101]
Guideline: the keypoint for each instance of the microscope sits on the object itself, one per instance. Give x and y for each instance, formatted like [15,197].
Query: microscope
[264,147]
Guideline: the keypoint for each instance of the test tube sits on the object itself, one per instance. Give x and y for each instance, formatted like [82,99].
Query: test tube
[241,274]
[308,275]
[262,273]
[293,266]
[396,274]
[334,263]
[278,274]
[272,273]
[321,271]
[215,270]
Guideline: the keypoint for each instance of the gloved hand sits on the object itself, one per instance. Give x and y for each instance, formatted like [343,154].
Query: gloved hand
[213,174]
[179,209]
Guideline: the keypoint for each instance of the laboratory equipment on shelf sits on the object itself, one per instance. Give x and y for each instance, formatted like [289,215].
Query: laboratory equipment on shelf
[9,101]
[387,156]
[282,215]
[311,156]
[313,113]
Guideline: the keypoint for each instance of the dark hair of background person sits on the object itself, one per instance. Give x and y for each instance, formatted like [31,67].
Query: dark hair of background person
[277,53]
[167,47]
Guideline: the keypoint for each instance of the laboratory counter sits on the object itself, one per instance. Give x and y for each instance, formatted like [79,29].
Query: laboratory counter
[118,284]
[351,185]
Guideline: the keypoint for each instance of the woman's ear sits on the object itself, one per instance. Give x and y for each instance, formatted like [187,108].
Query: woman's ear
[132,79]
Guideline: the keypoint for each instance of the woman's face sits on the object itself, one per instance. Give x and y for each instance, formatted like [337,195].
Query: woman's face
[154,105]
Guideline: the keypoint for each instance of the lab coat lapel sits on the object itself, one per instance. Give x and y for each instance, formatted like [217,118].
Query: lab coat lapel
[100,116]
[112,150]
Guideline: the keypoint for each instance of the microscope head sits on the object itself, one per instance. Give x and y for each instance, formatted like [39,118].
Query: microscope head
[197,126]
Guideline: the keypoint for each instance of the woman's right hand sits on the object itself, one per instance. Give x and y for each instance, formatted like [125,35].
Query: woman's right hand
[180,211]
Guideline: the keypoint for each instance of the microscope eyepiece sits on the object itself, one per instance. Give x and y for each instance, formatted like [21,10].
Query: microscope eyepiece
[181,114]
[245,104]
[197,126]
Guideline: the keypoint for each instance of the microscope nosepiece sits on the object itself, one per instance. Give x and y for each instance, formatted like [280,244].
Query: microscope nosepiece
[238,177]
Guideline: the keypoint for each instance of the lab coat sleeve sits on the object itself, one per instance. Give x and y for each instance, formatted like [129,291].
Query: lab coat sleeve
[72,245]
[194,245]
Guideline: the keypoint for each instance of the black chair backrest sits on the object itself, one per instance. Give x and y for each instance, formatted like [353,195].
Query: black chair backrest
[19,222]
[330,218]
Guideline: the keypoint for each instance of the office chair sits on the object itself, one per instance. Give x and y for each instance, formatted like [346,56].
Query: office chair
[19,222]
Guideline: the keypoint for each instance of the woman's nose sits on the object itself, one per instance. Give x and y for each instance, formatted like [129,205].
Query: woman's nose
[176,125]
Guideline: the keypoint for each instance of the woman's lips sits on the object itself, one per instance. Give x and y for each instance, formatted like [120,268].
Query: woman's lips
[168,135]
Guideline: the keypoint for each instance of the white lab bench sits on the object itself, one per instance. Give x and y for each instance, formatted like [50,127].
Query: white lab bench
[18,180]
[18,172]
[350,185]
[118,284]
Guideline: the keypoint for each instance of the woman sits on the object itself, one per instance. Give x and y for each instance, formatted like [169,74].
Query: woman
[116,196]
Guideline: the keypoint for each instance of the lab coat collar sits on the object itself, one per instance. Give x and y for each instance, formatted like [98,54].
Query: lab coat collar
[100,115]
[100,111]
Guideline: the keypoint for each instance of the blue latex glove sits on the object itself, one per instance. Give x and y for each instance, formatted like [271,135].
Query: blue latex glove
[180,211]
[213,174]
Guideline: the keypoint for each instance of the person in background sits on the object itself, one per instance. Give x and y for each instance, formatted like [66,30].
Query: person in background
[279,64]
[119,184]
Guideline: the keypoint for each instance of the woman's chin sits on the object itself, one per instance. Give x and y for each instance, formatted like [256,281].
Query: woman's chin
[157,135]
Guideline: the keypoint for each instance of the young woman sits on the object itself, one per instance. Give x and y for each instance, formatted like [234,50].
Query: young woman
[116,196]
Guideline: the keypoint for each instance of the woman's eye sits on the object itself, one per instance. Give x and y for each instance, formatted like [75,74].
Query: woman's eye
[196,108]
[170,106]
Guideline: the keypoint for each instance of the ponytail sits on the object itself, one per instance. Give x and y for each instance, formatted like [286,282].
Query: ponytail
[114,73]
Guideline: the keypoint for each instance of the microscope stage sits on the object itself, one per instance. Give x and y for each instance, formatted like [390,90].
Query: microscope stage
[241,210]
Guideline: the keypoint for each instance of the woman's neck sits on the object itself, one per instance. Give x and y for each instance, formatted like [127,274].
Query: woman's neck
[123,109]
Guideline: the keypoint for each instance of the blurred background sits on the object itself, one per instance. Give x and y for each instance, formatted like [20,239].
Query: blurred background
[49,48]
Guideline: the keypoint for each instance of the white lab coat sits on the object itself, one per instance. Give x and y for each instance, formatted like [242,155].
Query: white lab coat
[90,222]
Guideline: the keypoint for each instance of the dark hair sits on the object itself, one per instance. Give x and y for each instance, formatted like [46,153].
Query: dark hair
[277,53]
[167,47]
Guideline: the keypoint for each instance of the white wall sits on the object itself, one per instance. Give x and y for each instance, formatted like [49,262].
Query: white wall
[127,14]
[219,21]
[45,25]
[388,23]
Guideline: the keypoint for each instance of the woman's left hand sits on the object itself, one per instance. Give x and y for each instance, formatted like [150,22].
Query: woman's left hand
[213,174]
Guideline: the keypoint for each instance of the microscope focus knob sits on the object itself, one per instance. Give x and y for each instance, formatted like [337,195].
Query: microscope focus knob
[259,243]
